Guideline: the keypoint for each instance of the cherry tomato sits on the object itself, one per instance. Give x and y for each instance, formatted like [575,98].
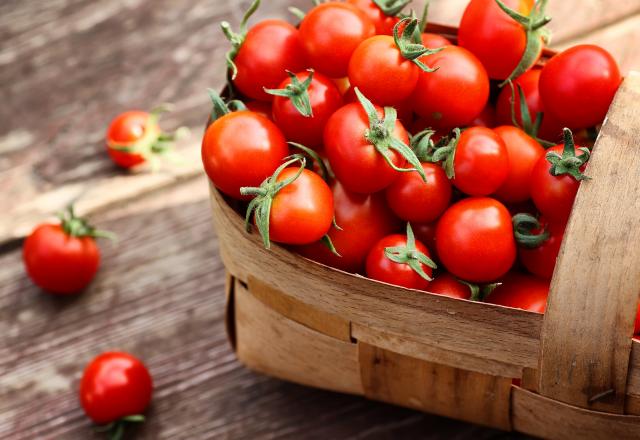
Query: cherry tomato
[448,285]
[364,220]
[381,268]
[578,85]
[485,119]
[550,129]
[384,23]
[302,212]
[128,130]
[414,200]
[354,160]
[481,162]
[381,72]
[521,291]
[331,32]
[270,48]
[261,107]
[475,241]
[59,260]
[324,98]
[242,149]
[434,41]
[494,37]
[524,153]
[541,261]
[115,385]
[455,94]
[553,195]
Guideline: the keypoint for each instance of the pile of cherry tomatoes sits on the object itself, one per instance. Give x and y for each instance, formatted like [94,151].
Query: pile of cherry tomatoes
[447,164]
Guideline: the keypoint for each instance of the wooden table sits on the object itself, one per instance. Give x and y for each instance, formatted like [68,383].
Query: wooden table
[66,68]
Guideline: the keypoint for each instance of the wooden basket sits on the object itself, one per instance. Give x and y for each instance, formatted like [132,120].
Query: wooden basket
[577,367]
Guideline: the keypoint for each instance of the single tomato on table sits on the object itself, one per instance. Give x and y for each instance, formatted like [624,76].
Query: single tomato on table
[475,241]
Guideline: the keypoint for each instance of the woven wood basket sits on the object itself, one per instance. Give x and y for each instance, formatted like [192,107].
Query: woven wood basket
[577,367]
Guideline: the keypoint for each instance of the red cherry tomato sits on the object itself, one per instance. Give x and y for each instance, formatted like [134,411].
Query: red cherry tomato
[475,241]
[481,162]
[261,107]
[58,262]
[242,149]
[270,48]
[448,285]
[128,129]
[541,261]
[494,37]
[578,85]
[434,41]
[553,195]
[384,23]
[550,129]
[521,291]
[381,268]
[486,119]
[414,200]
[324,98]
[524,153]
[113,386]
[302,212]
[455,94]
[364,219]
[354,160]
[380,71]
[330,33]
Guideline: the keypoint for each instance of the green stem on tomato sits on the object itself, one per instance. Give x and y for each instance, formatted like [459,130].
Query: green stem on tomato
[411,256]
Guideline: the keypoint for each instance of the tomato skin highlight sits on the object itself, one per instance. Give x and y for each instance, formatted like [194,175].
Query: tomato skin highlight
[242,149]
[325,99]
[354,160]
[115,385]
[380,268]
[578,85]
[271,47]
[383,23]
[541,261]
[331,32]
[495,38]
[553,195]
[382,74]
[415,200]
[521,291]
[447,285]
[481,162]
[59,263]
[524,153]
[455,94]
[302,212]
[474,240]
[127,129]
[364,219]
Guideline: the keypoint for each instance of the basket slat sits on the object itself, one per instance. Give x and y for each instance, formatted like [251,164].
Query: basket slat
[586,337]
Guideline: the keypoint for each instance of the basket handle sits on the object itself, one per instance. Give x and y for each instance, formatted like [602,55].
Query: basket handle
[586,335]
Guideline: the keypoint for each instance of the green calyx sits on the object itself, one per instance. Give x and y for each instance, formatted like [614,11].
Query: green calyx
[391,8]
[260,205]
[221,108]
[524,226]
[411,47]
[116,429]
[568,163]
[423,146]
[237,39]
[411,256]
[297,92]
[443,152]
[479,293]
[537,34]
[78,227]
[325,172]
[380,135]
[528,125]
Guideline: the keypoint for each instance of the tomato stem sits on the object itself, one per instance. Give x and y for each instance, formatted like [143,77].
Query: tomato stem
[411,49]
[411,256]
[260,206]
[568,163]
[445,152]
[297,92]
[391,8]
[325,172]
[237,39]
[524,226]
[221,108]
[528,125]
[79,227]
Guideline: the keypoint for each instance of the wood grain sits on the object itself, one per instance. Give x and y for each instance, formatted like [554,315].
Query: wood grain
[586,336]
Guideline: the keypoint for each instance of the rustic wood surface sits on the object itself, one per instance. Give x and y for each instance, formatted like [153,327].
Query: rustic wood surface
[66,68]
